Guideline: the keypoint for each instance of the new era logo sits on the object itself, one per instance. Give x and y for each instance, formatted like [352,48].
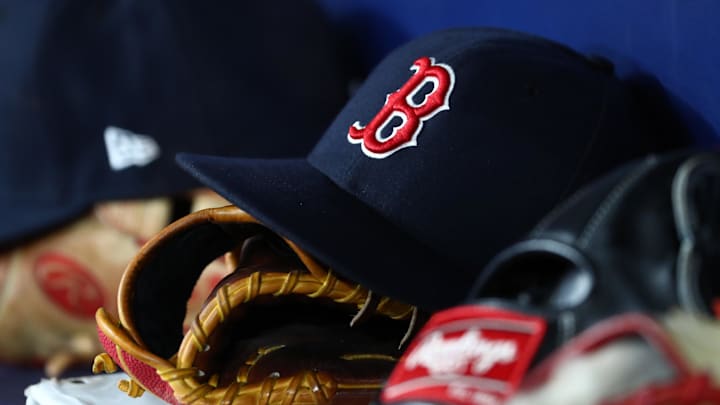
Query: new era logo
[126,148]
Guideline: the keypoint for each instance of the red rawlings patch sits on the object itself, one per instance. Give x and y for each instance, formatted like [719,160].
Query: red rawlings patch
[467,355]
[69,285]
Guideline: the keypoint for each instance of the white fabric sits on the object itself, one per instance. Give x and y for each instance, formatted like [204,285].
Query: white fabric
[98,389]
[587,379]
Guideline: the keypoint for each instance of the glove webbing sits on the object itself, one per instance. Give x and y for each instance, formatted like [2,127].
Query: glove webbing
[184,378]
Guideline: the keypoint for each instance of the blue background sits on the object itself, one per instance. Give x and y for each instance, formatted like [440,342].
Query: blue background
[675,42]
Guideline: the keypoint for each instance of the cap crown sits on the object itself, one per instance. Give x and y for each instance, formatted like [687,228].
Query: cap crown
[491,129]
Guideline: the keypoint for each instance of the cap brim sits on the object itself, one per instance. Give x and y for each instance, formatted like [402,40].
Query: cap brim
[37,218]
[300,203]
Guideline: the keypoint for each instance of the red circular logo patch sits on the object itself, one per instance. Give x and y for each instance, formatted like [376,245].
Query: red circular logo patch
[69,285]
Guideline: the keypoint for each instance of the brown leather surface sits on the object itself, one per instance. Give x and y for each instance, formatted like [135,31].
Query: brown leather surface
[281,328]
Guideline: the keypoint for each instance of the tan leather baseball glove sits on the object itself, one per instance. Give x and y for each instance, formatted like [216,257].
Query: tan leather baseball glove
[281,329]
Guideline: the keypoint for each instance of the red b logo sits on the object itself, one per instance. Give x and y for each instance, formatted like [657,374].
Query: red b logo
[401,104]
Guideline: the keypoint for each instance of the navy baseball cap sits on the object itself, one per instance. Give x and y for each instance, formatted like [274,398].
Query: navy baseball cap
[100,96]
[457,144]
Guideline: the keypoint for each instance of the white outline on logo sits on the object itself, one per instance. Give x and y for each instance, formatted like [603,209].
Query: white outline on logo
[413,140]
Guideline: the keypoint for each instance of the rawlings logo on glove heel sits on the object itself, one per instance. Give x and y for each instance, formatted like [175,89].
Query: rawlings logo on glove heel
[466,355]
[453,355]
